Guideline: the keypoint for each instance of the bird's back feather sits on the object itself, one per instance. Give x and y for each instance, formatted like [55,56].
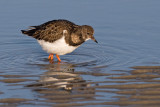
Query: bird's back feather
[50,31]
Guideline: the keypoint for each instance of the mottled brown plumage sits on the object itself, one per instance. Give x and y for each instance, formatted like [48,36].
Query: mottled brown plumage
[50,31]
[60,36]
[53,30]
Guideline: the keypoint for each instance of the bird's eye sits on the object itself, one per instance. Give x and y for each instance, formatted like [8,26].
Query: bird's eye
[88,33]
[80,36]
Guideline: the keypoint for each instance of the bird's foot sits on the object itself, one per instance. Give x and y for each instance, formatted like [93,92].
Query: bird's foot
[58,58]
[50,57]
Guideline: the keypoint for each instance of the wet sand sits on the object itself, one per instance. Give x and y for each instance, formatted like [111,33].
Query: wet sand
[138,86]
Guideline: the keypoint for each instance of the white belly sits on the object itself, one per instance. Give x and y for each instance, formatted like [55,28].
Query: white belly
[58,47]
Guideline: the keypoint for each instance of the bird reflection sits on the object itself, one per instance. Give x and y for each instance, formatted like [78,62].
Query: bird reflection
[59,76]
[61,82]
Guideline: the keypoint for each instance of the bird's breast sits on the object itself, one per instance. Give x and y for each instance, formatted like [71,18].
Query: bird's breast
[59,46]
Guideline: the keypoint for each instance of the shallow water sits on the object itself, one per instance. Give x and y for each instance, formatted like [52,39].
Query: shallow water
[122,70]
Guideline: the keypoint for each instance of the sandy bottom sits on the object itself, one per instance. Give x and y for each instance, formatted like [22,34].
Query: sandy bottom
[139,86]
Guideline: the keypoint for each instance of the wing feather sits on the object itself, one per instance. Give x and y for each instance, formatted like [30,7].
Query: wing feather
[50,31]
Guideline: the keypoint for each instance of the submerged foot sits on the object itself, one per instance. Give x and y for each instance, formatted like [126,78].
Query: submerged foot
[50,57]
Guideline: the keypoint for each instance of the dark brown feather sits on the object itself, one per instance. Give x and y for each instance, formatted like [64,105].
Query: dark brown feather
[51,30]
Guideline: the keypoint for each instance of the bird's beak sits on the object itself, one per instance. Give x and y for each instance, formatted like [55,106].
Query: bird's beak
[94,39]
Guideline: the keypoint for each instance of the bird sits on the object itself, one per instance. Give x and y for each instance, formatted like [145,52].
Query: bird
[60,36]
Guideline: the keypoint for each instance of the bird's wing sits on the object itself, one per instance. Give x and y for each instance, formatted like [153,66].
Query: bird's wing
[49,31]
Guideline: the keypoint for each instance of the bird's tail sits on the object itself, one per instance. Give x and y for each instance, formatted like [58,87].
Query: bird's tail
[30,31]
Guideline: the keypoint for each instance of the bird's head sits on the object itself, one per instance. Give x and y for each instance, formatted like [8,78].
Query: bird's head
[87,33]
[82,34]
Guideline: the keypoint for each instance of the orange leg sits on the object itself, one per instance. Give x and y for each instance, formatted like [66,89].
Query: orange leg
[50,56]
[58,58]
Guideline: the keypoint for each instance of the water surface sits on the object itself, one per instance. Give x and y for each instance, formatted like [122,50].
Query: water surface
[122,70]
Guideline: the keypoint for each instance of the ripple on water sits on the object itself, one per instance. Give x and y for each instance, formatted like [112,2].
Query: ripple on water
[100,55]
[64,83]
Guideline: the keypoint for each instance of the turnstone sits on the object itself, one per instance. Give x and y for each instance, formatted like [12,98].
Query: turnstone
[60,36]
